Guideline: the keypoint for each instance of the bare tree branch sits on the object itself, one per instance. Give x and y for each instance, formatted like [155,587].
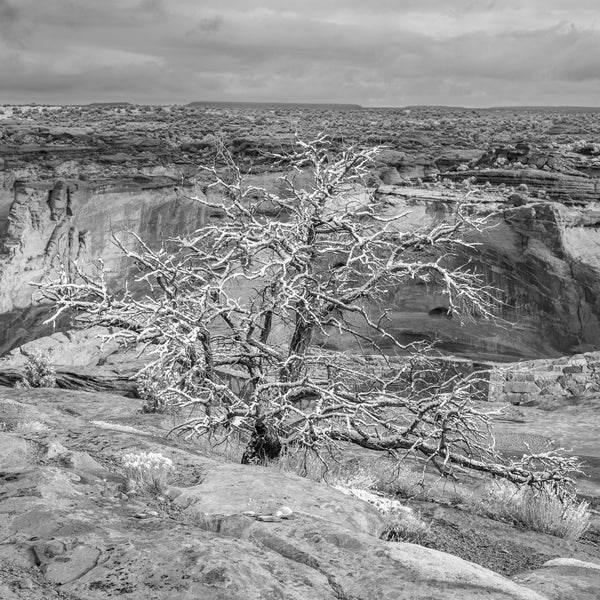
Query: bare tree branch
[237,315]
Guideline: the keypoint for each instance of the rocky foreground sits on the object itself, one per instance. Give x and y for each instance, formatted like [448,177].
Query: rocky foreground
[69,532]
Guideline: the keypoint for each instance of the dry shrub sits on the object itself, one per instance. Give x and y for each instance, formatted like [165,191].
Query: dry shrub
[146,472]
[39,373]
[404,526]
[31,427]
[150,388]
[400,481]
[537,510]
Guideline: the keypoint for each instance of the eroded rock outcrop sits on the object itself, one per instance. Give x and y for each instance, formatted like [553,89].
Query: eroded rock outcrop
[537,382]
[570,189]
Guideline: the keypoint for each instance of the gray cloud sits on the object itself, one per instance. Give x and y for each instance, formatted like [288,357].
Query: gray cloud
[8,12]
[9,21]
[386,52]
[210,24]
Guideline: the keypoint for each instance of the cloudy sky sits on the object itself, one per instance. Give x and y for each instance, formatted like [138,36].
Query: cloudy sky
[371,52]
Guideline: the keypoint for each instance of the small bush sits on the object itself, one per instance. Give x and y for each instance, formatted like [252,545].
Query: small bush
[39,373]
[540,511]
[402,482]
[150,387]
[31,427]
[456,497]
[405,526]
[146,472]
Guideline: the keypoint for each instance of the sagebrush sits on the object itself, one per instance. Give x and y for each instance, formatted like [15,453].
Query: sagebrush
[146,472]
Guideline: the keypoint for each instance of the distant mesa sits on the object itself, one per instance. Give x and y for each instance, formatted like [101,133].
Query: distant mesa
[547,109]
[110,104]
[520,109]
[275,105]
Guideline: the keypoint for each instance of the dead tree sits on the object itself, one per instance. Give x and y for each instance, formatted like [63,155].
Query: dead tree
[258,296]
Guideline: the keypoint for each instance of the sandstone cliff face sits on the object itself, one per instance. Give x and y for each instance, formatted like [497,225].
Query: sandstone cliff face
[73,222]
[543,256]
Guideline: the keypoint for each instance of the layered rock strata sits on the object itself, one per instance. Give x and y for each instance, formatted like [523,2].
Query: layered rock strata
[542,257]
[531,383]
[568,189]
[71,223]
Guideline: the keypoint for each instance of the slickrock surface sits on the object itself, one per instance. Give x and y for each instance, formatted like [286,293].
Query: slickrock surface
[68,532]
[564,579]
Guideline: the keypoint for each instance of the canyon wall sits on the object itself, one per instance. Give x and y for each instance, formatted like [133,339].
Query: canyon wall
[72,222]
[64,191]
[542,256]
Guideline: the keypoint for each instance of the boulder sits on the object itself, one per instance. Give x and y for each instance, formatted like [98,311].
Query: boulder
[564,579]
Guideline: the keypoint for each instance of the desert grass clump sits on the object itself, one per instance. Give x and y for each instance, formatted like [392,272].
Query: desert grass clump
[31,427]
[401,481]
[538,510]
[39,373]
[405,526]
[146,472]
[457,497]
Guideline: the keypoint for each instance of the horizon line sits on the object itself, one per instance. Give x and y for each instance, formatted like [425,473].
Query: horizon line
[350,105]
